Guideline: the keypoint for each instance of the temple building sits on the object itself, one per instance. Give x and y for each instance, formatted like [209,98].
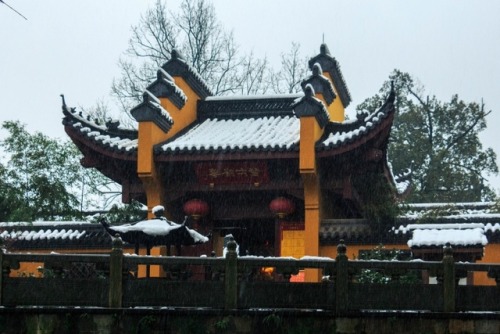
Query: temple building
[273,170]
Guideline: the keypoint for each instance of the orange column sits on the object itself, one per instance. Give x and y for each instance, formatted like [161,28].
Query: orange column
[309,134]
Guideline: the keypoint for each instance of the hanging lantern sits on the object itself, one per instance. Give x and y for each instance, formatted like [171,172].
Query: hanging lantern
[282,207]
[196,208]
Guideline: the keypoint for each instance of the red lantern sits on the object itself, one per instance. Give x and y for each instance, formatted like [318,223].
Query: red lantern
[196,208]
[282,206]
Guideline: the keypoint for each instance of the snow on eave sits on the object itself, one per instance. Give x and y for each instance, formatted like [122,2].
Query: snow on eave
[449,205]
[253,97]
[442,211]
[458,226]
[44,223]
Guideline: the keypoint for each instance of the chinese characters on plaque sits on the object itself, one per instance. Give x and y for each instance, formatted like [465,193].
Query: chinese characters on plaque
[213,173]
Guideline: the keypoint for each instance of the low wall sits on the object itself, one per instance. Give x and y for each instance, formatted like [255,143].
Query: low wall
[192,321]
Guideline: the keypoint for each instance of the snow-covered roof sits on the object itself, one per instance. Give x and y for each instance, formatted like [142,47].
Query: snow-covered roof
[113,142]
[461,235]
[423,225]
[339,134]
[53,235]
[150,227]
[111,135]
[483,212]
[249,134]
[42,234]
[254,124]
[460,224]
[157,227]
[439,237]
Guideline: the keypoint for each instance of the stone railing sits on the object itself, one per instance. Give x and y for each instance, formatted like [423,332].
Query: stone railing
[110,281]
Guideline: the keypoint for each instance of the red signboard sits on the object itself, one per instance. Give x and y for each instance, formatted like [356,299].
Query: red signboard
[249,172]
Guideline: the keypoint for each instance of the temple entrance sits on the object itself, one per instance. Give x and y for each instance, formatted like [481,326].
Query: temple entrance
[254,236]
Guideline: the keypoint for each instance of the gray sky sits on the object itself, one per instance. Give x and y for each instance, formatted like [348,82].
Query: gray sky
[72,47]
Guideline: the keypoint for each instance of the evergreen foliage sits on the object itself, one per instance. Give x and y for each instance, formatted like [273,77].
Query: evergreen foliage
[132,212]
[378,203]
[382,254]
[439,141]
[43,178]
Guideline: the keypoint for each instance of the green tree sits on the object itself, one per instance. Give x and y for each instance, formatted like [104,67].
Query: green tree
[43,178]
[127,213]
[9,195]
[439,141]
[380,253]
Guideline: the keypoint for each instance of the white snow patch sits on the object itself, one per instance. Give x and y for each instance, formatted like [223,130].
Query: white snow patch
[440,237]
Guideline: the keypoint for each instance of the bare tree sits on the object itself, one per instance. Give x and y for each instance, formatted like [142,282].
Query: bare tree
[255,76]
[293,70]
[197,35]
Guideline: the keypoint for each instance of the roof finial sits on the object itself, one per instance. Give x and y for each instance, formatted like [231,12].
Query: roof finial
[324,50]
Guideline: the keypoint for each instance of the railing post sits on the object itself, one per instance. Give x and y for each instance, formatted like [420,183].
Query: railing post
[116,273]
[341,279]
[449,284]
[231,277]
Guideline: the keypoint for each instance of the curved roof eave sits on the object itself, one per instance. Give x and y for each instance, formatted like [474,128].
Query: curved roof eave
[94,146]
[350,136]
[109,149]
[107,140]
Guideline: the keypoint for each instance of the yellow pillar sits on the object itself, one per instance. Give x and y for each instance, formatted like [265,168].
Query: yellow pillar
[149,135]
[310,132]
